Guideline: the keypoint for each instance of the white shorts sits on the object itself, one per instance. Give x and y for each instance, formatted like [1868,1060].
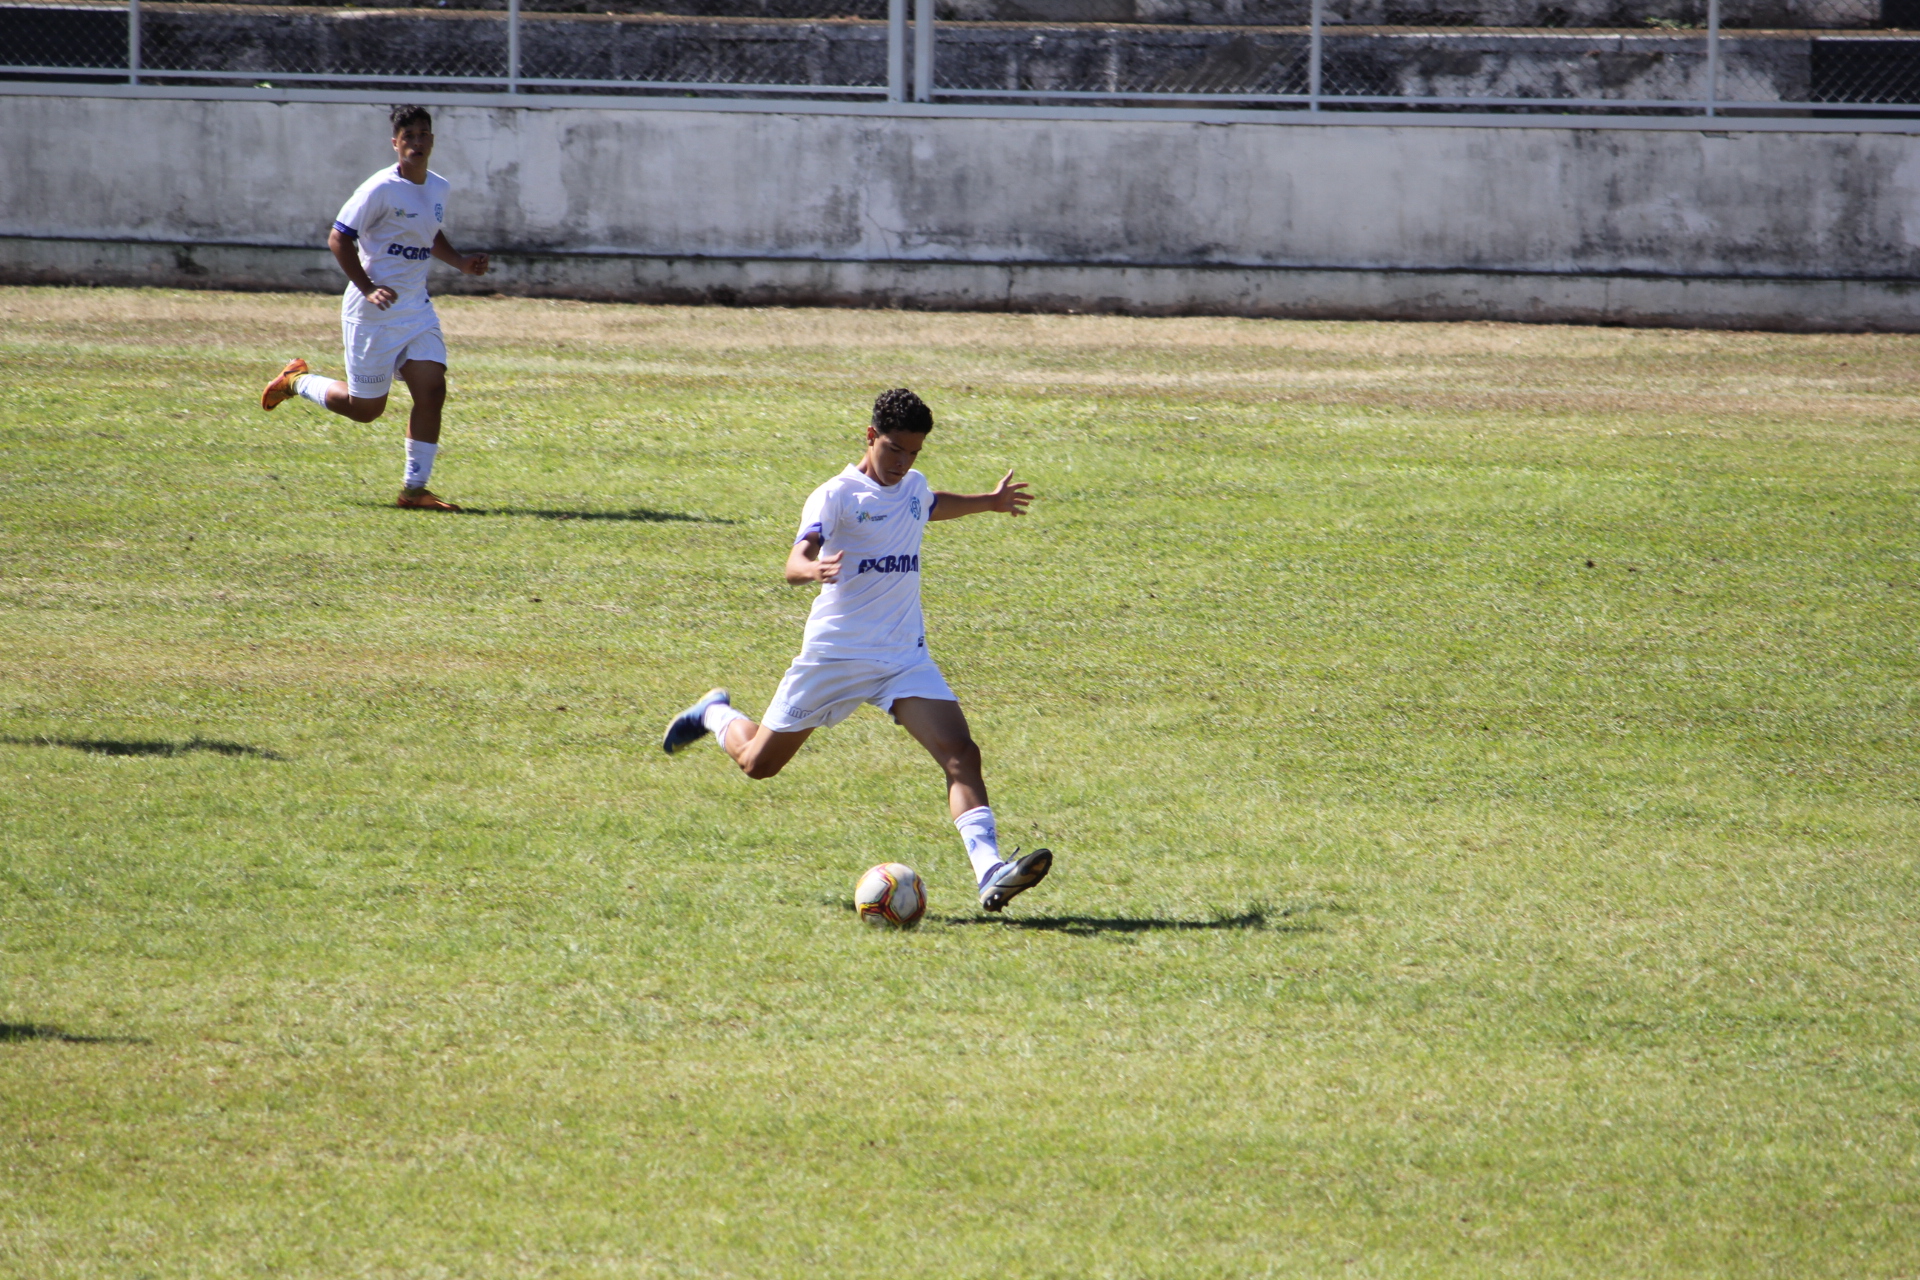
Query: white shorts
[817,692]
[375,352]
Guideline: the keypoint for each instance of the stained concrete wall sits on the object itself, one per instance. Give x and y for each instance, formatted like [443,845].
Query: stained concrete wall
[1774,229]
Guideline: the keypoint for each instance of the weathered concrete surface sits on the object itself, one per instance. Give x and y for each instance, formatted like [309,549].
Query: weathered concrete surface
[1645,65]
[1775,229]
[1279,292]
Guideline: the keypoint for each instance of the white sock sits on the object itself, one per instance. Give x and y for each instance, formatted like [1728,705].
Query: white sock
[717,717]
[982,839]
[311,386]
[419,463]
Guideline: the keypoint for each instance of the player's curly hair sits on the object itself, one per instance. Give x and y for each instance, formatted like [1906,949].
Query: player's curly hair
[901,410]
[404,115]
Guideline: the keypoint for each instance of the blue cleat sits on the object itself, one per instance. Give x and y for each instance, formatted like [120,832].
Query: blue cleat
[689,726]
[1007,880]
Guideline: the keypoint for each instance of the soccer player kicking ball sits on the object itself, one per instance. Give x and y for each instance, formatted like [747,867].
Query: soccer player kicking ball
[865,641]
[383,240]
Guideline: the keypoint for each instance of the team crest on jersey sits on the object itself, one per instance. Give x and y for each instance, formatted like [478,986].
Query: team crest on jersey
[913,506]
[439,212]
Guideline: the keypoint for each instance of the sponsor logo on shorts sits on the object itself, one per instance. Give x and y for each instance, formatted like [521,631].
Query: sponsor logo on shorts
[889,564]
[408,252]
[796,712]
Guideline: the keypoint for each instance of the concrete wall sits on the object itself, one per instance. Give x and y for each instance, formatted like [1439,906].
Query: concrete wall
[1773,229]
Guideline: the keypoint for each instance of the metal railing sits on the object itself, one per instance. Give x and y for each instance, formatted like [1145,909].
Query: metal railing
[1702,58]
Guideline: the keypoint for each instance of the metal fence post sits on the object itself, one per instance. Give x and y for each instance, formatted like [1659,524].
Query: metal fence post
[923,50]
[1314,49]
[1713,55]
[513,46]
[896,50]
[133,41]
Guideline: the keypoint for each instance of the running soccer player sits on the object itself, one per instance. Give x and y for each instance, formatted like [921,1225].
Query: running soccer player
[859,539]
[383,239]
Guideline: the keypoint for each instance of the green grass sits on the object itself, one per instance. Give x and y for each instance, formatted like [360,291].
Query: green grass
[1481,760]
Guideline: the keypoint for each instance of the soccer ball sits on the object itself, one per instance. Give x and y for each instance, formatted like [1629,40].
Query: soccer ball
[891,895]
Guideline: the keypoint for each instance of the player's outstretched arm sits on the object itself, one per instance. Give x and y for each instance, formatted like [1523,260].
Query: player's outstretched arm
[474,264]
[806,564]
[1009,496]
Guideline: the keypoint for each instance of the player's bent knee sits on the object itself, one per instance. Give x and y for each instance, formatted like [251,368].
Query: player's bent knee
[761,768]
[366,410]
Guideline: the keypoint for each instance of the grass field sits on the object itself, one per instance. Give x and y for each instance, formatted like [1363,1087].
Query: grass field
[1481,760]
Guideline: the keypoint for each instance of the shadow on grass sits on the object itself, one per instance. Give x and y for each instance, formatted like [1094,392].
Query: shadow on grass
[1090,926]
[1287,920]
[14,1032]
[633,515]
[123,747]
[636,515]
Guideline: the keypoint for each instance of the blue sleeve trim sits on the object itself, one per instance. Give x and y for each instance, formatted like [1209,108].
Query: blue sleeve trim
[345,230]
[811,531]
[932,502]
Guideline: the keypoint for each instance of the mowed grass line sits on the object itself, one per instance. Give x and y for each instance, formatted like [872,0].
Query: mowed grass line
[1481,759]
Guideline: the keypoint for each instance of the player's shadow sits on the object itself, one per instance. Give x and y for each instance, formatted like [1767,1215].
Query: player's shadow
[15,1032]
[1092,926]
[143,747]
[633,515]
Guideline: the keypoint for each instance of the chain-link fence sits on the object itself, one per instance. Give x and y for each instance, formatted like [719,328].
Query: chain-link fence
[775,46]
[1700,57]
[1689,57]
[64,41]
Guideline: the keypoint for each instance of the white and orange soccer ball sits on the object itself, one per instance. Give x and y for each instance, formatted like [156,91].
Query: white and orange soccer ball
[891,895]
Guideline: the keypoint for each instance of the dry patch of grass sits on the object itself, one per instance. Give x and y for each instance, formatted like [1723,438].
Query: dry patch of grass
[1457,368]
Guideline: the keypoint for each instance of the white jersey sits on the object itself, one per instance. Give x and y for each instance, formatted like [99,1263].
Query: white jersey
[393,222]
[873,612]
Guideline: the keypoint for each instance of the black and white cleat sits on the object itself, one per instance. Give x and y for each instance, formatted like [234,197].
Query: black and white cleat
[1011,879]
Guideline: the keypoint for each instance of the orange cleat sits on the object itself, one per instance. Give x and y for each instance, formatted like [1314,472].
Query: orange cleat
[280,389]
[424,500]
